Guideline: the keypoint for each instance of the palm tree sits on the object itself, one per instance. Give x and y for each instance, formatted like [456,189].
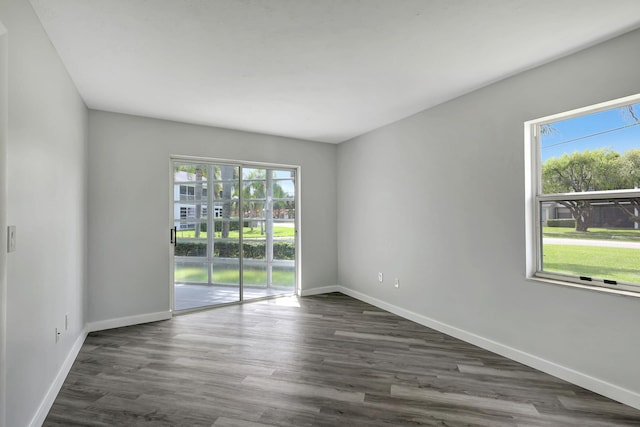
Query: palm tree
[227,174]
[198,197]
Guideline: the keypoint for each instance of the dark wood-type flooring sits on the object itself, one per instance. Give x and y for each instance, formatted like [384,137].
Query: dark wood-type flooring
[326,360]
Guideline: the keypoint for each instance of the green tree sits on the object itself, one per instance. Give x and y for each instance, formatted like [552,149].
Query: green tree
[254,196]
[631,168]
[595,170]
[630,171]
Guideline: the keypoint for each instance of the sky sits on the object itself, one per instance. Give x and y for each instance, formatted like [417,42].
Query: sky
[605,123]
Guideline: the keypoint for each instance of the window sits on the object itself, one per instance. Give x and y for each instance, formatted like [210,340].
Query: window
[187,192]
[583,204]
[187,212]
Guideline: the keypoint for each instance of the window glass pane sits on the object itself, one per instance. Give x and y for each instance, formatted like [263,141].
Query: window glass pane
[254,211]
[283,174]
[187,271]
[283,189]
[592,152]
[599,239]
[254,275]
[226,271]
[284,210]
[254,185]
[284,254]
[284,275]
[191,229]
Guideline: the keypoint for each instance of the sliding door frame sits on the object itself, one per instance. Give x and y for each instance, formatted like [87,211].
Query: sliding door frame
[240,164]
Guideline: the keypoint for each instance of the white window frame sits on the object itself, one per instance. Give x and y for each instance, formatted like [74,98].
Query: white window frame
[534,198]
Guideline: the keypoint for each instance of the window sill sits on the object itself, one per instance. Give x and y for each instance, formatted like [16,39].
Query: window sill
[584,286]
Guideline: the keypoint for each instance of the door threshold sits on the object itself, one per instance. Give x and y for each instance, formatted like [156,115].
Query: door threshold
[227,304]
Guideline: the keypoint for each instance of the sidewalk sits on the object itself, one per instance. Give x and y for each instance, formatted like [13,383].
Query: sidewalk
[588,242]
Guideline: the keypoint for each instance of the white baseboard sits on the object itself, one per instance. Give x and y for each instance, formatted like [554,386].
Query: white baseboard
[56,385]
[119,322]
[612,391]
[320,290]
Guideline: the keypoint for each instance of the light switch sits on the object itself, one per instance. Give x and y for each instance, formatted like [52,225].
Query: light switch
[11,238]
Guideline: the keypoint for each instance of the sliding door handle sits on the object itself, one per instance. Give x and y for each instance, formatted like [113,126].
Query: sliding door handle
[173,236]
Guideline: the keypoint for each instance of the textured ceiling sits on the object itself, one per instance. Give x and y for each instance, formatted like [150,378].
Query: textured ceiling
[322,70]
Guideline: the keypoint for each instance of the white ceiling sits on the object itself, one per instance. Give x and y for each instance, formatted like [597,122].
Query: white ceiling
[322,70]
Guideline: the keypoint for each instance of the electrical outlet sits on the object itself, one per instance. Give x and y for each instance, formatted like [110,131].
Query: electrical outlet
[380,277]
[57,335]
[396,283]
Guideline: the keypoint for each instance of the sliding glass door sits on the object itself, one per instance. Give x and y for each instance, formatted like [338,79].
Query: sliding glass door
[234,233]
[268,206]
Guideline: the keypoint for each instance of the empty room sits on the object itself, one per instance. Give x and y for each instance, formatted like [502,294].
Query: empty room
[319,213]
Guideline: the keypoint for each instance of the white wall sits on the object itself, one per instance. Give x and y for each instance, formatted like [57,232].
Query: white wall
[47,146]
[129,206]
[4,88]
[437,200]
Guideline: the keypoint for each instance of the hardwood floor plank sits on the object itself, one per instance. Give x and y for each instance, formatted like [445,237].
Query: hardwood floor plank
[295,389]
[379,337]
[326,360]
[436,414]
[229,422]
[464,400]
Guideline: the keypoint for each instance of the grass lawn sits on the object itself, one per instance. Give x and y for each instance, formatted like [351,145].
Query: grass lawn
[247,233]
[252,276]
[621,234]
[621,264]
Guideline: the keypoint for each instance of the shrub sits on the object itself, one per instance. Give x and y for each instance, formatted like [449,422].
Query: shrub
[564,222]
[254,250]
[284,250]
[191,249]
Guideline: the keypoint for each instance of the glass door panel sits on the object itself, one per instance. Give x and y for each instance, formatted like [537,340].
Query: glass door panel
[254,261]
[284,216]
[206,255]
[269,237]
